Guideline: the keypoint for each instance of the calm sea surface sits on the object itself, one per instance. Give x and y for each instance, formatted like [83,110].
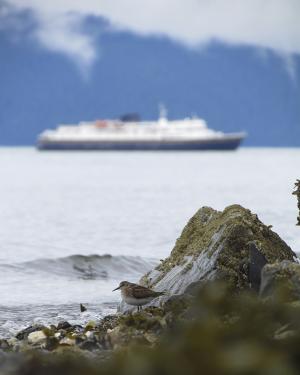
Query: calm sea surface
[73,225]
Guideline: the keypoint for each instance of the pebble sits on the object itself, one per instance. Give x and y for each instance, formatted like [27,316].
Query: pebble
[36,337]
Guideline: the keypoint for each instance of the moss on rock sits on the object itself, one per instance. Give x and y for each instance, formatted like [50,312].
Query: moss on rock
[194,238]
[237,226]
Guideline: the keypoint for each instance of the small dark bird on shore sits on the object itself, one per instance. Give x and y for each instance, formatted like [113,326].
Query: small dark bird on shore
[137,295]
[82,308]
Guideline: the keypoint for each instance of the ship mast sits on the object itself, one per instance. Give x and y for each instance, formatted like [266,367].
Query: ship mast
[163,113]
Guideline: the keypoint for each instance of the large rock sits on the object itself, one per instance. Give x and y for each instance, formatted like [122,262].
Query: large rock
[233,245]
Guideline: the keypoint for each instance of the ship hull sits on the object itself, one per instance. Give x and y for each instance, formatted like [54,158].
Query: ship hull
[214,144]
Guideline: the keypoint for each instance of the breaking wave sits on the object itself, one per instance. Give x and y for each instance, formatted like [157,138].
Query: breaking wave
[86,266]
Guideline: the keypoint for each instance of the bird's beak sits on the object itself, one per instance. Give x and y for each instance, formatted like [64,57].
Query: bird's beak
[116,288]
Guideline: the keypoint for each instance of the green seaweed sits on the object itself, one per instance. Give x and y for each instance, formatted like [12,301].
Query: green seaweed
[144,321]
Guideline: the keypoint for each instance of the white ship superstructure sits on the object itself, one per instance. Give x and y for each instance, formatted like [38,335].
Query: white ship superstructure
[189,133]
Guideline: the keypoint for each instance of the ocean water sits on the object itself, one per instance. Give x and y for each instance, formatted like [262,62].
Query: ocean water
[73,225]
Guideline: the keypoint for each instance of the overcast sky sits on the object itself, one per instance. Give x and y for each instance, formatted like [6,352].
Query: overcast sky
[59,24]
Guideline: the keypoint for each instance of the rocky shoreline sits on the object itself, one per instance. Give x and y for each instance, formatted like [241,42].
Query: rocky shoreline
[232,248]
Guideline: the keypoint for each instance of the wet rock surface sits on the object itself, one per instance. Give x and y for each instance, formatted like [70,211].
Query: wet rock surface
[92,337]
[112,332]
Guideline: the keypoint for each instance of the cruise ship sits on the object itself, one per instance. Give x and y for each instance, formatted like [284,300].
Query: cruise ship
[128,133]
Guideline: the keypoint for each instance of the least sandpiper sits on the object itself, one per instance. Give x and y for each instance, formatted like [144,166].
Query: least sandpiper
[137,295]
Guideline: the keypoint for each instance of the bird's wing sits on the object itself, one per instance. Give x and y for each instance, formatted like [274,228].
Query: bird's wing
[142,292]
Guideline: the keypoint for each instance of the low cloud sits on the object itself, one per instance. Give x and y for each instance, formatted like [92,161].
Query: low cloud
[272,24]
[64,33]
